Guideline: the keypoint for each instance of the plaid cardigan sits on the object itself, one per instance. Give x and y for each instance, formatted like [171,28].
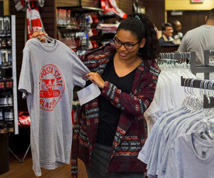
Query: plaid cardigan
[131,130]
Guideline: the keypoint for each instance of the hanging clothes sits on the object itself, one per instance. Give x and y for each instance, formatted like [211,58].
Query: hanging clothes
[48,75]
[110,8]
[33,18]
[169,94]
[34,21]
[167,148]
[21,4]
[190,156]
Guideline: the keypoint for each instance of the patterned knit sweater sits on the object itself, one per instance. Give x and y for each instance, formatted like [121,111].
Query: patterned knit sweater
[131,130]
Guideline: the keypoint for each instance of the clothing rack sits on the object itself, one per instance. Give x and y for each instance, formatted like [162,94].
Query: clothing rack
[208,101]
[206,69]
[177,55]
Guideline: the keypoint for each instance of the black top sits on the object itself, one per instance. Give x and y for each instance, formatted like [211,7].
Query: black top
[166,43]
[109,114]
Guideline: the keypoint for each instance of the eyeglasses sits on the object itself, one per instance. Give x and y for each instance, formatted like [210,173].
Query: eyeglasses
[127,45]
[170,29]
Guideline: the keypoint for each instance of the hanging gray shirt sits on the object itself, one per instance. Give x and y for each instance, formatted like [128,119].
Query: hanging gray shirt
[48,75]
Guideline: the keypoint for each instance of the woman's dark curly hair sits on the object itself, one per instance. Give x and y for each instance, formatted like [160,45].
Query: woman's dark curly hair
[140,25]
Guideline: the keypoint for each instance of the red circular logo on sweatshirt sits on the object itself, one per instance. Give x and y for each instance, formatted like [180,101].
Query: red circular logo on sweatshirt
[51,87]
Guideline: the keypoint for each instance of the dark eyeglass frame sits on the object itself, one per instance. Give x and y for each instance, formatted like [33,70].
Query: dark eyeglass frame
[124,44]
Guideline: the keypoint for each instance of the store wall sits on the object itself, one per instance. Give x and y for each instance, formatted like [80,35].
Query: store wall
[156,11]
[187,5]
[89,3]
[62,3]
[193,14]
[124,5]
[189,19]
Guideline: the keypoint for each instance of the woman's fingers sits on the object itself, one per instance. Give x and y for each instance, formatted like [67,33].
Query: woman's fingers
[85,76]
[88,75]
[95,78]
[91,78]
[40,35]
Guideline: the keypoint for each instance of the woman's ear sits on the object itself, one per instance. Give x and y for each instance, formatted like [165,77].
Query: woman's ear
[142,43]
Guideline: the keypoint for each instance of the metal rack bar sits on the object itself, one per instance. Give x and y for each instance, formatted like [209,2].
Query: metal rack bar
[208,101]
[206,69]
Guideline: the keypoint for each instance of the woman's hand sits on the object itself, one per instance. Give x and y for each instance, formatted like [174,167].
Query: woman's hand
[95,78]
[40,35]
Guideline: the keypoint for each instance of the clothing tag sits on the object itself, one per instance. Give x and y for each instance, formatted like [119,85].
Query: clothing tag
[88,93]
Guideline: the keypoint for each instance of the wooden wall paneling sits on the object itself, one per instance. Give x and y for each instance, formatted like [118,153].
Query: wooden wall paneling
[140,2]
[90,3]
[62,3]
[97,3]
[118,2]
[126,6]
[48,15]
[189,19]
[156,11]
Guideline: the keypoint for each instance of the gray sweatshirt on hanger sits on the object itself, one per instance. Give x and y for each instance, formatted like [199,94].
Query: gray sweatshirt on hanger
[48,75]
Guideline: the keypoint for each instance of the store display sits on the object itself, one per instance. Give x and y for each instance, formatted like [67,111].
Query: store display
[84,30]
[182,136]
[75,30]
[8,90]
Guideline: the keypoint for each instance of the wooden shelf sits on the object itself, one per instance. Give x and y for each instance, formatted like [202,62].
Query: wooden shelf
[81,9]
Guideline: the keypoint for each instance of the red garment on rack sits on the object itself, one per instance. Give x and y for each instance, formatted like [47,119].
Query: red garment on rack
[24,120]
[110,8]
[34,21]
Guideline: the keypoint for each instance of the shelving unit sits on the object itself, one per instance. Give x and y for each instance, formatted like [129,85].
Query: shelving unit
[79,29]
[8,76]
[74,26]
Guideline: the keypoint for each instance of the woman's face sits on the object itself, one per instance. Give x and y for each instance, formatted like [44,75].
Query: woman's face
[123,40]
[178,27]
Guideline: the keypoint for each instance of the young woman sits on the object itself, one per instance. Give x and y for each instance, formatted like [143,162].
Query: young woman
[111,130]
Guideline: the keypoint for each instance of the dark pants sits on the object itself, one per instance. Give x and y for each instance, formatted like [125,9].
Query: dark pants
[100,158]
